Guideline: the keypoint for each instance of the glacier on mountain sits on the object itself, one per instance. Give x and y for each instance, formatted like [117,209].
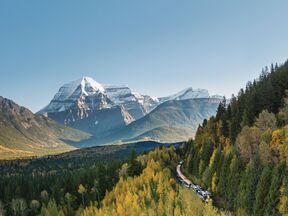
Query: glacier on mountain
[87,94]
[188,93]
[105,110]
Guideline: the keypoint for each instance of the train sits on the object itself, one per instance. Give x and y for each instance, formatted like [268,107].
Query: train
[202,194]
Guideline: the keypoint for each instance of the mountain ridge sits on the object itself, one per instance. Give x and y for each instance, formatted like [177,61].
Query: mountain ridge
[187,114]
[84,96]
[101,114]
[26,134]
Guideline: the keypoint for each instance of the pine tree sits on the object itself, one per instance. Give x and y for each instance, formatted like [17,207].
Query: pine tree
[221,109]
[247,188]
[252,182]
[233,182]
[273,197]
[262,192]
[134,165]
[207,151]
[223,177]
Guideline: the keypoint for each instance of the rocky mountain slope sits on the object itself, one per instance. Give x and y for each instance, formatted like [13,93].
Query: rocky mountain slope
[24,134]
[98,109]
[106,110]
[136,104]
[172,121]
[86,94]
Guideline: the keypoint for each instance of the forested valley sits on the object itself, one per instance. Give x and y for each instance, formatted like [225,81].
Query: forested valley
[240,155]
[60,185]
[134,185]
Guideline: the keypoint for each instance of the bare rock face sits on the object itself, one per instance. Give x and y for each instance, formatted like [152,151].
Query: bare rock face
[105,110]
[85,100]
[16,113]
[24,134]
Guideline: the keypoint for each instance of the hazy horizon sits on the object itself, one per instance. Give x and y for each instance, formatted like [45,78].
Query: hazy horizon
[155,48]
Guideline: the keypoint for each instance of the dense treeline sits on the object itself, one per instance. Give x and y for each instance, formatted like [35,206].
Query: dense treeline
[143,185]
[154,192]
[58,186]
[241,154]
[265,93]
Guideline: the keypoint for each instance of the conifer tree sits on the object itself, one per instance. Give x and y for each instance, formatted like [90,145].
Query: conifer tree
[273,197]
[262,192]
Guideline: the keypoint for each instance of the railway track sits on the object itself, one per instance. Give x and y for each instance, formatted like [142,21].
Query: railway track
[201,193]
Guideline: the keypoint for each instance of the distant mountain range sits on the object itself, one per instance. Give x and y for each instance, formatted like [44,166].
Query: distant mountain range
[172,121]
[117,114]
[85,113]
[85,95]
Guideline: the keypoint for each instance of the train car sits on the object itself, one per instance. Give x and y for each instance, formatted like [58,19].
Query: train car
[194,187]
[203,198]
[201,193]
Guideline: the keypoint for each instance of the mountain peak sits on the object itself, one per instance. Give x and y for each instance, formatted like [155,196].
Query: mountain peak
[85,85]
[188,93]
[70,92]
[90,86]
[193,93]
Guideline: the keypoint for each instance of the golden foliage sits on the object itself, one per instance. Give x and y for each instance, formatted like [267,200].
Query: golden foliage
[214,182]
[81,189]
[154,192]
[212,158]
[283,203]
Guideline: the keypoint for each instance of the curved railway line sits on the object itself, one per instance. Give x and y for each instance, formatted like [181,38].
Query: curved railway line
[201,193]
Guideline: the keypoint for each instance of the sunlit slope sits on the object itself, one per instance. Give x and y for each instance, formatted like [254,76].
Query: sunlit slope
[175,120]
[24,134]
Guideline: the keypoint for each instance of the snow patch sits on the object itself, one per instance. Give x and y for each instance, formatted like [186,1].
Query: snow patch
[188,93]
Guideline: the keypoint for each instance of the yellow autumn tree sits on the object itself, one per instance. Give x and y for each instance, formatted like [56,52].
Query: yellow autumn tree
[214,182]
[154,192]
[275,144]
[212,158]
[82,190]
[283,203]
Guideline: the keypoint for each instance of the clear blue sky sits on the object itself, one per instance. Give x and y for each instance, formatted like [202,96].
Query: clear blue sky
[156,47]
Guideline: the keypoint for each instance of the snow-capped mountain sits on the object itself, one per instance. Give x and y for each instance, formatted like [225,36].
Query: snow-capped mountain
[88,94]
[85,92]
[188,93]
[102,109]
[88,105]
[136,104]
